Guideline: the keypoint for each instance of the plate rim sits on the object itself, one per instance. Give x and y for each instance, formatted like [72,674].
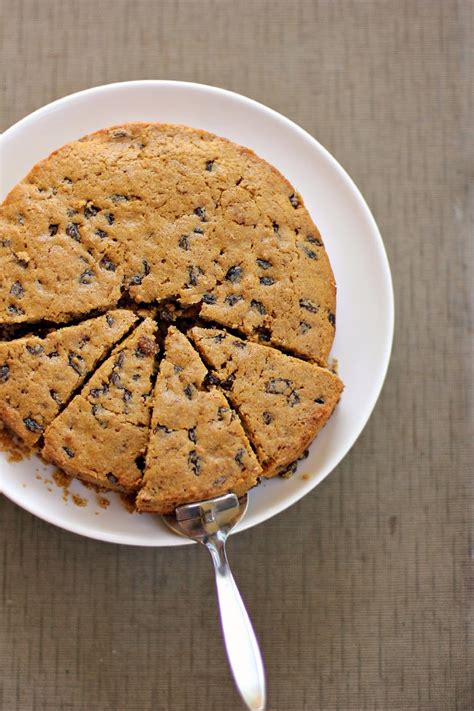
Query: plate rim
[387,281]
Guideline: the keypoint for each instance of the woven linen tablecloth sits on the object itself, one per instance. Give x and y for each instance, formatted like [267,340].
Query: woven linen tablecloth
[362,593]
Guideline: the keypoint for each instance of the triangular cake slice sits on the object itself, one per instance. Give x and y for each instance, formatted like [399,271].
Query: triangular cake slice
[283,401]
[39,375]
[197,446]
[102,435]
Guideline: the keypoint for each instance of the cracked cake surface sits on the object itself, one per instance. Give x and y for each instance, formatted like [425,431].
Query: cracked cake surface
[179,310]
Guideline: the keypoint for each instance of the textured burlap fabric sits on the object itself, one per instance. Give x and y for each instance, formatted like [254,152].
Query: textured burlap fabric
[362,593]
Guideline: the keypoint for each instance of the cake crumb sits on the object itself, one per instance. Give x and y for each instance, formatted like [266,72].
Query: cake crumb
[334,366]
[103,502]
[63,481]
[79,500]
[128,502]
[306,477]
[12,445]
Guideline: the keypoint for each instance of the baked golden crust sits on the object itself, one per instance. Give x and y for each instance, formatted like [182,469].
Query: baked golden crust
[197,446]
[38,376]
[167,212]
[102,434]
[283,401]
[180,225]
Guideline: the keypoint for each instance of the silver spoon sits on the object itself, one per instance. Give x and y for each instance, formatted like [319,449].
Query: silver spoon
[210,522]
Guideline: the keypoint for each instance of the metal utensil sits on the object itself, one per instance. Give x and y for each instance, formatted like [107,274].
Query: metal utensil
[210,522]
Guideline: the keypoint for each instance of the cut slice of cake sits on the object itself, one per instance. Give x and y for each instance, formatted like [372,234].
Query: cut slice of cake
[283,401]
[102,435]
[197,446]
[38,376]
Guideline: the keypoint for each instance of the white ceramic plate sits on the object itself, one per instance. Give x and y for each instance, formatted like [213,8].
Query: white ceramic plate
[365,297]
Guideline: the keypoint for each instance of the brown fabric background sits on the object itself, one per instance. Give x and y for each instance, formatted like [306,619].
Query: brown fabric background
[361,593]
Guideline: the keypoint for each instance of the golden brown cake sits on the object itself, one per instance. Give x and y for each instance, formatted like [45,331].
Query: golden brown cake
[102,435]
[197,244]
[197,446]
[167,212]
[283,401]
[39,375]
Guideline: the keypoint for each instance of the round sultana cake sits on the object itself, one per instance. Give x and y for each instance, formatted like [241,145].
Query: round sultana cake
[176,288]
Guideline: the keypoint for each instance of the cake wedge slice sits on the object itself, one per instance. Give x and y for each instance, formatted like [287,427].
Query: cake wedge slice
[101,437]
[39,375]
[197,447]
[282,401]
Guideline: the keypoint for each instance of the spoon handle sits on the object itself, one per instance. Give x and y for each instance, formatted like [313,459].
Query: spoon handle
[241,644]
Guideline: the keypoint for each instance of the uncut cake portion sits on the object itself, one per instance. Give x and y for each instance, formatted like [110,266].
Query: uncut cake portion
[197,447]
[283,401]
[102,435]
[167,212]
[38,375]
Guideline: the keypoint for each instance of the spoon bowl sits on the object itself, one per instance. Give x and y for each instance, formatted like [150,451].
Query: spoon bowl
[199,520]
